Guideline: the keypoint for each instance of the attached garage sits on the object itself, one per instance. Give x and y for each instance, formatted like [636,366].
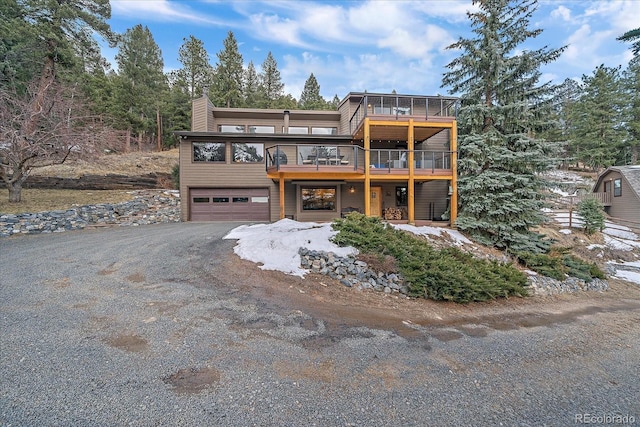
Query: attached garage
[229,204]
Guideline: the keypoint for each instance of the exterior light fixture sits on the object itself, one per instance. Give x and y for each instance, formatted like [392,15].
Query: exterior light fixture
[352,189]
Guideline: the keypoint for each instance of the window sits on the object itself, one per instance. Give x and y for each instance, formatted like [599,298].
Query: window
[617,187]
[247,153]
[200,200]
[324,131]
[298,130]
[220,200]
[402,196]
[318,199]
[262,129]
[209,151]
[240,200]
[231,128]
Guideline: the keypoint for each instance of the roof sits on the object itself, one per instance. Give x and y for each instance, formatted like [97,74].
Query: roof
[630,173]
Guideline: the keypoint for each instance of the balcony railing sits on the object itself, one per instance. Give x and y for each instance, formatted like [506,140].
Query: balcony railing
[400,106]
[604,198]
[314,156]
[422,159]
[302,158]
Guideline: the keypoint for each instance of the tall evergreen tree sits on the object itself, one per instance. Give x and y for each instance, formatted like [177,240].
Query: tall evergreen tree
[228,74]
[196,70]
[310,98]
[634,37]
[596,132]
[142,81]
[631,89]
[272,88]
[502,114]
[251,89]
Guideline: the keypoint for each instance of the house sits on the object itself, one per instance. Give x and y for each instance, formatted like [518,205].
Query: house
[384,155]
[618,189]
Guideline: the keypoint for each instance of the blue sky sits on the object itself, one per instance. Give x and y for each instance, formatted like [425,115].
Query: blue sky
[376,45]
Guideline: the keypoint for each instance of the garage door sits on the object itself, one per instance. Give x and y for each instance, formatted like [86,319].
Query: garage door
[229,204]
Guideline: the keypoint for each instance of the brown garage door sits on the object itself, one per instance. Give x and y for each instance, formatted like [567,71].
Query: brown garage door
[229,204]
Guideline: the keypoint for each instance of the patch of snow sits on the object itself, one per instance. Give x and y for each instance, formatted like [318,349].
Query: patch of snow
[630,276]
[620,244]
[276,245]
[565,231]
[621,232]
[454,235]
[595,246]
[562,193]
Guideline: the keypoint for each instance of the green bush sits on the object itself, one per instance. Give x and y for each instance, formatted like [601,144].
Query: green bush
[558,264]
[447,274]
[175,176]
[592,213]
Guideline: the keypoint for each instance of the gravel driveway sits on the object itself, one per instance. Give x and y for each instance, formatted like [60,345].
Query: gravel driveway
[160,326]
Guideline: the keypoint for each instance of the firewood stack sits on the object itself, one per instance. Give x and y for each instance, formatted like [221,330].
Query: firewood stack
[393,213]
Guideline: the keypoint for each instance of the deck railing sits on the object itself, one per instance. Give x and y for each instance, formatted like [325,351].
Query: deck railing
[397,106]
[314,156]
[397,159]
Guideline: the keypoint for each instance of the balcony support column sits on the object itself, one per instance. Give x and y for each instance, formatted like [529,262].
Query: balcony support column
[367,172]
[411,184]
[281,182]
[453,203]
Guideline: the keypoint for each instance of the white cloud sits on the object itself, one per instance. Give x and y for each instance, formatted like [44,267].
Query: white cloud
[561,12]
[160,10]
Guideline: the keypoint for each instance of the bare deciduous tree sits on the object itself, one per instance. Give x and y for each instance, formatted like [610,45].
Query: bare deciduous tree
[50,134]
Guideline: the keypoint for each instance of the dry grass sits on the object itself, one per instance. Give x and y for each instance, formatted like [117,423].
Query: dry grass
[131,164]
[41,200]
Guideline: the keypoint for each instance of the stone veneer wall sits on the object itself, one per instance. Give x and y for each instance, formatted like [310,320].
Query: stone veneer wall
[148,207]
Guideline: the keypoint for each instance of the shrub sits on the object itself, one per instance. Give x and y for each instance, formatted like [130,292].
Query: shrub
[558,264]
[592,213]
[447,274]
[175,176]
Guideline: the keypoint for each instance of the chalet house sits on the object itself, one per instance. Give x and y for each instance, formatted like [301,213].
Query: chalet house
[618,188]
[386,155]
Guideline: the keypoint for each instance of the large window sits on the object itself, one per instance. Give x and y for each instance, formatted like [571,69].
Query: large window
[617,187]
[231,128]
[298,130]
[319,199]
[262,129]
[209,151]
[324,131]
[247,153]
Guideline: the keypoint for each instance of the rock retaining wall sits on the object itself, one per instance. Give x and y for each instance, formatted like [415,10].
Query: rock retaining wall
[354,273]
[148,207]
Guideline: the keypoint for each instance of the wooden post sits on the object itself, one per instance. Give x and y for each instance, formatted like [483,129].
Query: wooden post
[411,194]
[453,202]
[367,173]
[281,195]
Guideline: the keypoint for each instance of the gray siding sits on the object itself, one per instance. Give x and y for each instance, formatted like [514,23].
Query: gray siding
[627,205]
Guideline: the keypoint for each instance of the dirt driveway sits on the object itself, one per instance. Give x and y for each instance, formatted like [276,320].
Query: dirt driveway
[163,325]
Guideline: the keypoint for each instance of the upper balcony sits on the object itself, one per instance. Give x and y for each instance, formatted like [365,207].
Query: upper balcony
[316,160]
[400,108]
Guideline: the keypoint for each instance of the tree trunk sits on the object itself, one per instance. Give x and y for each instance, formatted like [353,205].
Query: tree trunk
[127,142]
[45,81]
[159,122]
[15,191]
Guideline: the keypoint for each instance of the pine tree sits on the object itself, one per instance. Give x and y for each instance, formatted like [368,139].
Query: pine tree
[141,81]
[251,88]
[631,88]
[228,73]
[632,36]
[272,88]
[503,111]
[310,98]
[596,117]
[196,70]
